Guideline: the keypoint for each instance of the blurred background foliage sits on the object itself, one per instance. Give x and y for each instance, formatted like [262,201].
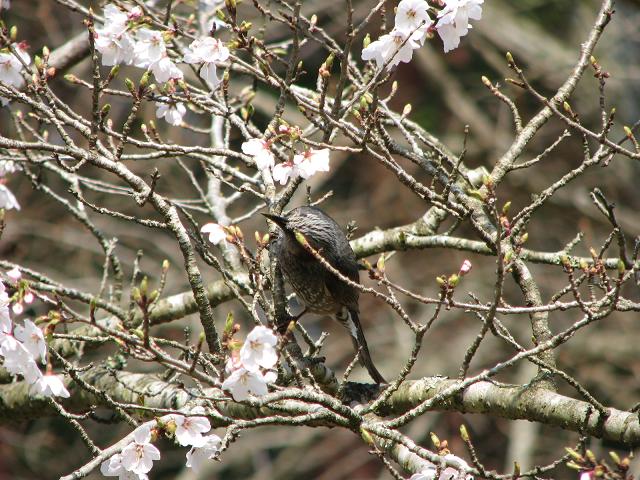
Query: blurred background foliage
[446,93]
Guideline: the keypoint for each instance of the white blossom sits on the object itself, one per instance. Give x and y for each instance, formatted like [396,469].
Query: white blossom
[198,455]
[5,4]
[113,40]
[165,70]
[14,274]
[311,162]
[115,49]
[189,430]
[7,167]
[139,455]
[283,172]
[258,350]
[32,339]
[391,49]
[412,17]
[17,359]
[149,47]
[8,199]
[208,51]
[454,19]
[112,467]
[11,66]
[242,382]
[115,19]
[5,318]
[10,74]
[49,385]
[216,232]
[260,151]
[172,112]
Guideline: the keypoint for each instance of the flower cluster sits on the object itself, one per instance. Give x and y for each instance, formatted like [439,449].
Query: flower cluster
[207,51]
[119,43]
[21,346]
[303,165]
[412,25]
[136,459]
[123,39]
[12,65]
[246,376]
[453,20]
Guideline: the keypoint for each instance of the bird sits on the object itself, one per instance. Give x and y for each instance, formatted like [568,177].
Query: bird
[319,289]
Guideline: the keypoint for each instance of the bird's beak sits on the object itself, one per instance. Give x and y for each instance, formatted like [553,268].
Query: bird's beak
[277,219]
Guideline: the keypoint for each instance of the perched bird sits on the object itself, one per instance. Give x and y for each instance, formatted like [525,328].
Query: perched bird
[320,290]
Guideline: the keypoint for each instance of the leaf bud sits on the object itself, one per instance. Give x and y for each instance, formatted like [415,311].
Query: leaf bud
[367,41]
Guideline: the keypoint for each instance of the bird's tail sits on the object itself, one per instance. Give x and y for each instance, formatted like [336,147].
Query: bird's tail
[351,321]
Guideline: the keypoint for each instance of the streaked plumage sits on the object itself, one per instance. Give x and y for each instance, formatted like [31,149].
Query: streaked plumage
[316,287]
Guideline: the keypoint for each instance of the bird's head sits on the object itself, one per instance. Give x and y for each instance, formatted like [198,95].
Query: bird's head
[279,220]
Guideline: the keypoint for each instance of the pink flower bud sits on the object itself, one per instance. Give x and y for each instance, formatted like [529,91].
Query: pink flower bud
[28,297]
[465,267]
[14,273]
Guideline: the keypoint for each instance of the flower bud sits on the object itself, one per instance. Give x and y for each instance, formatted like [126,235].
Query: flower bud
[509,58]
[367,41]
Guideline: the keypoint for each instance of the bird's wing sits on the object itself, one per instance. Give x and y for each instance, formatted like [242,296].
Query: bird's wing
[342,292]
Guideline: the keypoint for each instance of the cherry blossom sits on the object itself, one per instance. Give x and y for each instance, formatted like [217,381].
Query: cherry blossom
[113,40]
[454,19]
[311,162]
[198,455]
[260,150]
[412,17]
[189,430]
[208,51]
[112,467]
[32,339]
[172,112]
[5,4]
[17,359]
[149,48]
[139,455]
[242,382]
[391,49]
[283,172]
[165,70]
[8,166]
[49,385]
[5,319]
[11,66]
[216,232]
[258,350]
[8,200]
[14,274]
